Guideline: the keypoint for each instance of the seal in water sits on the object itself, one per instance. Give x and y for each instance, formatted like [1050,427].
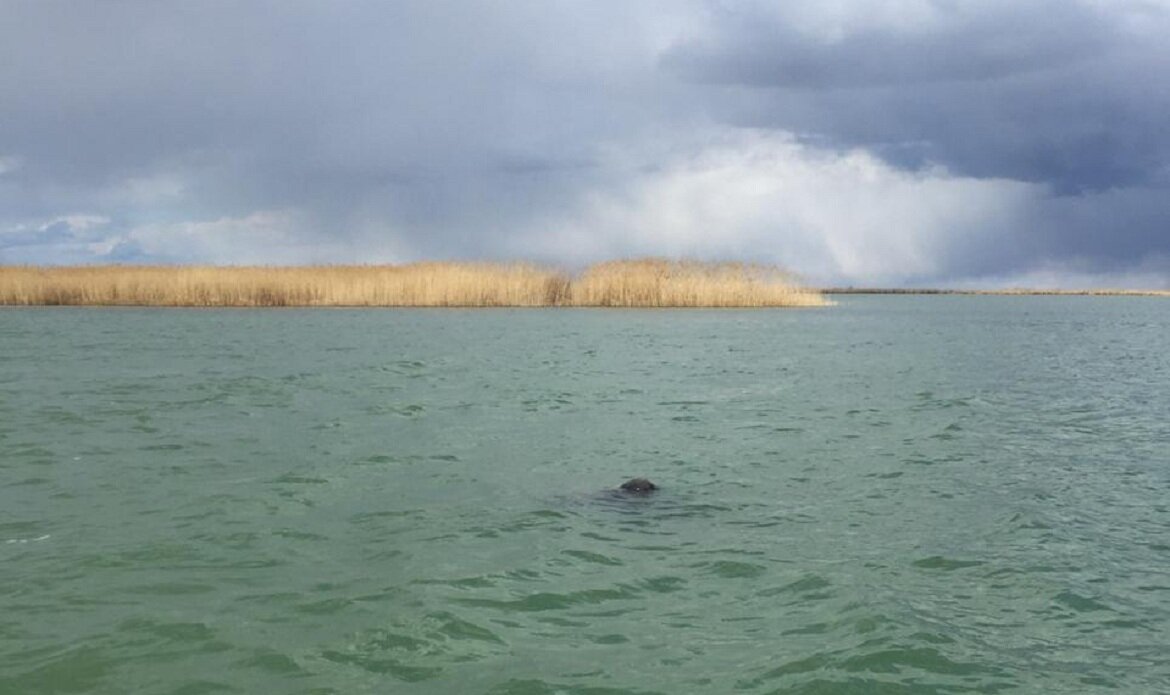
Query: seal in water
[638,486]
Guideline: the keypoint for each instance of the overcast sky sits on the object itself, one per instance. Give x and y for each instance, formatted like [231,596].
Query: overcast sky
[891,142]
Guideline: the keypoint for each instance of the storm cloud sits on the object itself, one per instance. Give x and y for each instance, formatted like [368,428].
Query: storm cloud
[893,142]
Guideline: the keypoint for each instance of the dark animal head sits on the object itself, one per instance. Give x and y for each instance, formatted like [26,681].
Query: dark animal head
[639,486]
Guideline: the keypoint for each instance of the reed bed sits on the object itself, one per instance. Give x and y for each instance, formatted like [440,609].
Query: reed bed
[644,283]
[663,283]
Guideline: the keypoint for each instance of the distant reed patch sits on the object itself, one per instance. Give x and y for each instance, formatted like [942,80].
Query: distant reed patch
[663,283]
[628,283]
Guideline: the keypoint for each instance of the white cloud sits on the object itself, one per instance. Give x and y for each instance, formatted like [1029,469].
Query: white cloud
[261,237]
[10,163]
[77,222]
[63,239]
[831,216]
[72,226]
[266,237]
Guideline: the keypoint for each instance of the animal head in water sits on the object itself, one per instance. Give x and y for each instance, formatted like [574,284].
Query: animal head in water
[639,486]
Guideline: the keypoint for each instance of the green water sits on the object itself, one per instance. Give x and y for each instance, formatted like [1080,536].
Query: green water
[894,495]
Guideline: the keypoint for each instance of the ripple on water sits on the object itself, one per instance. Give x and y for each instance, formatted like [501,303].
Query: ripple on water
[663,585]
[1080,604]
[73,670]
[461,583]
[176,588]
[542,687]
[809,587]
[418,650]
[272,662]
[729,569]
[550,601]
[595,558]
[938,562]
[896,667]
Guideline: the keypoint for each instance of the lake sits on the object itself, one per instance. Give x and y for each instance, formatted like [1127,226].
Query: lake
[898,494]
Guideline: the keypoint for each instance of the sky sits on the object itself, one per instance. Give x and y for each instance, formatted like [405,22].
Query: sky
[873,142]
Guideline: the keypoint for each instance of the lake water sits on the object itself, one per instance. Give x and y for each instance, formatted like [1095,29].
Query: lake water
[938,494]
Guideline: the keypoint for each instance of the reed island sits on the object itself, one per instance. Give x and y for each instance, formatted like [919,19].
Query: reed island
[645,282]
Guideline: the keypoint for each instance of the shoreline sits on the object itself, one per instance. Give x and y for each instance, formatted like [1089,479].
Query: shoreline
[1008,292]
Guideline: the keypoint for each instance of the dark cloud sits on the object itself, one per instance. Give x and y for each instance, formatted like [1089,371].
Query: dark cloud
[957,42]
[429,115]
[1053,92]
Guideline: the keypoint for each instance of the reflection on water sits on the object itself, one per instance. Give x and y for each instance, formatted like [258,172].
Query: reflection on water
[895,495]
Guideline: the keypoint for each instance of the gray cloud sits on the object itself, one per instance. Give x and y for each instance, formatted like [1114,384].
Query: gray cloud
[955,42]
[430,116]
[1031,133]
[1057,92]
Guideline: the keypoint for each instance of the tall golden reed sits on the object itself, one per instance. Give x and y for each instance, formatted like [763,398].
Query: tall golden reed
[648,283]
[652,282]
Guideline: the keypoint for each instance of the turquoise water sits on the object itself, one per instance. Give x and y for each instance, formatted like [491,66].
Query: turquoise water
[905,494]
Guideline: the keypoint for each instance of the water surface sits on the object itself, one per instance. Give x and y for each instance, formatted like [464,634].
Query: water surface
[941,494]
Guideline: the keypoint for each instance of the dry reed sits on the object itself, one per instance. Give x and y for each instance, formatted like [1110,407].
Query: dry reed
[662,283]
[650,283]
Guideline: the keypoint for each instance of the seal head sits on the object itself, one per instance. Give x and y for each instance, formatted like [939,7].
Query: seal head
[638,486]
